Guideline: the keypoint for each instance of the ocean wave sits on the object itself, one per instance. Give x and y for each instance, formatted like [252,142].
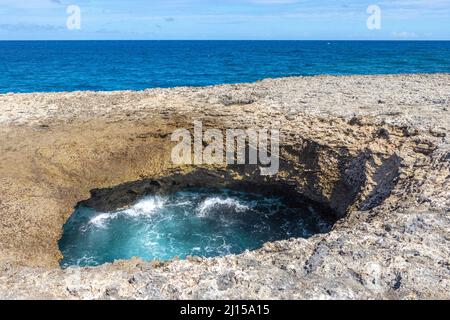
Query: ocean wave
[145,207]
[214,203]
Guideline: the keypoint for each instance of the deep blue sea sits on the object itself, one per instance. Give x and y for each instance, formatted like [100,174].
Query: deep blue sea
[30,66]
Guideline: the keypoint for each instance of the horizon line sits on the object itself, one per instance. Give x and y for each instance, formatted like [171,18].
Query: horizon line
[322,40]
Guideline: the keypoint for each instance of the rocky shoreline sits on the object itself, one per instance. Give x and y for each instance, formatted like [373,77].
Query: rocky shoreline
[375,149]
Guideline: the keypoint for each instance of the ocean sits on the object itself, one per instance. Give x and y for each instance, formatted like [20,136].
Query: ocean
[40,66]
[190,222]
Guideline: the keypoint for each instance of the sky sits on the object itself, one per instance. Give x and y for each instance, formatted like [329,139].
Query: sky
[224,20]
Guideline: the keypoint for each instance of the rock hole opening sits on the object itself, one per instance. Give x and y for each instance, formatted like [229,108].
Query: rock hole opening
[187,221]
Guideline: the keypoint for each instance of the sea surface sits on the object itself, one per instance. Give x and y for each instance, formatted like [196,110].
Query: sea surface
[192,222]
[39,66]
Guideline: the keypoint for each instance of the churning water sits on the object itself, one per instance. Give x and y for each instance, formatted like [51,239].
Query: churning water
[195,222]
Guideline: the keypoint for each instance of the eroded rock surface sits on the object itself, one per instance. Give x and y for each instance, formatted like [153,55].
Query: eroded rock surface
[373,148]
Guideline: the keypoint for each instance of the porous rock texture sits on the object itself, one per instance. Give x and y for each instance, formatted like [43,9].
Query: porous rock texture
[374,149]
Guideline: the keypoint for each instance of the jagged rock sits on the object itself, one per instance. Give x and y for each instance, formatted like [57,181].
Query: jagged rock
[391,189]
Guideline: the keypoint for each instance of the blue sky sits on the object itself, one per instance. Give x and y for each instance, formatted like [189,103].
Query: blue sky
[225,19]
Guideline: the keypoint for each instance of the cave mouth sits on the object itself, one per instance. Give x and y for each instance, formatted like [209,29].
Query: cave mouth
[192,221]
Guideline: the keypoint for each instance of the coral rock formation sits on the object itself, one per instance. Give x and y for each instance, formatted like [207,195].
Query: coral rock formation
[375,149]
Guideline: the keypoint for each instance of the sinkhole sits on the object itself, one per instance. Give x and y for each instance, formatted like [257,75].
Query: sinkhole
[205,222]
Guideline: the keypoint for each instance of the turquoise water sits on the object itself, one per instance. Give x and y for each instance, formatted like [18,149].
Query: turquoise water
[195,222]
[31,66]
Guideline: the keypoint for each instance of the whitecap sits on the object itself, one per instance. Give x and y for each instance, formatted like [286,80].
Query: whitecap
[208,204]
[145,207]
[100,220]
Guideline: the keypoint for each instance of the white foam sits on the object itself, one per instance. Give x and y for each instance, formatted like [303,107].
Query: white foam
[144,207]
[100,220]
[214,202]
[86,260]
